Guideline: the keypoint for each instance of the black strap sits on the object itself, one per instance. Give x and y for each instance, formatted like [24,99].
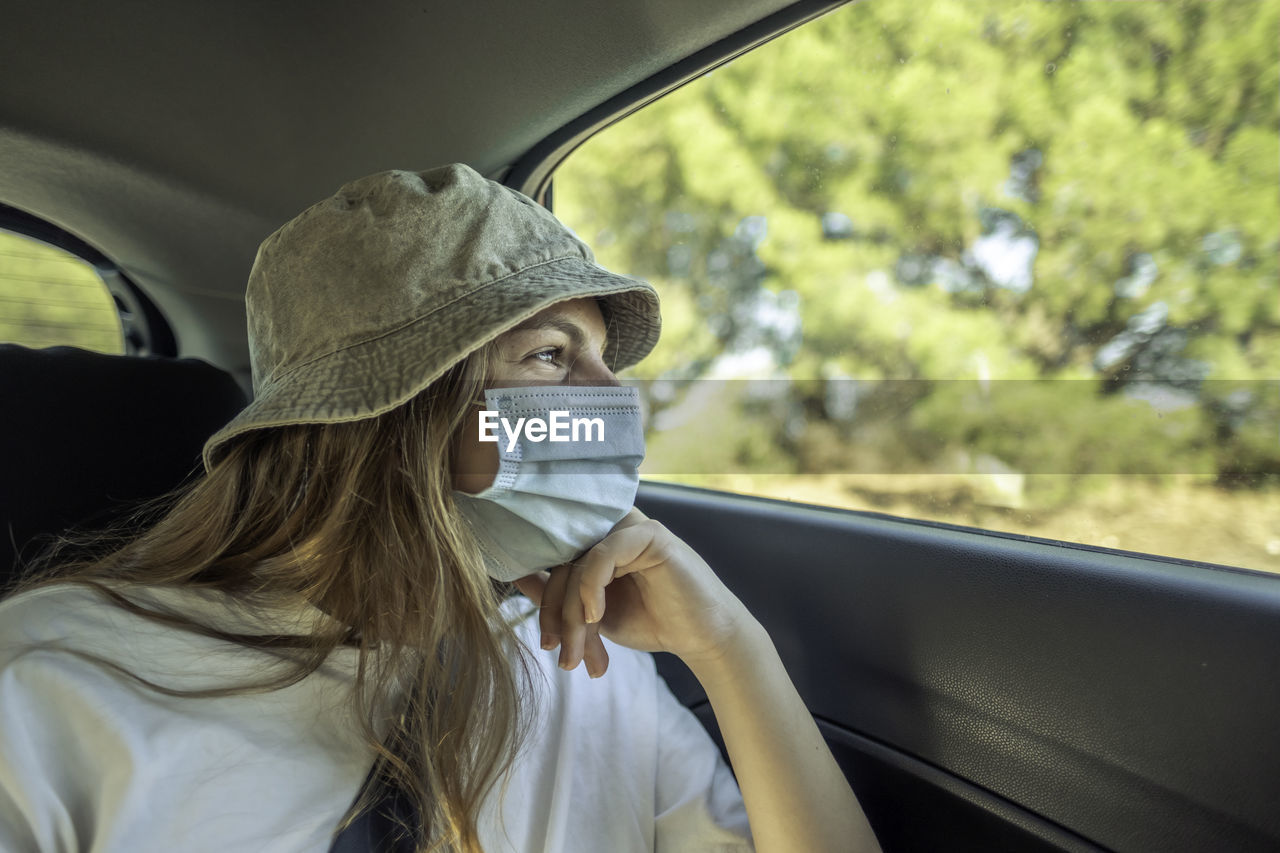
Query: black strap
[381,829]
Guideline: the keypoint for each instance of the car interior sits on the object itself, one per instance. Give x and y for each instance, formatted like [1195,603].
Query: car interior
[982,691]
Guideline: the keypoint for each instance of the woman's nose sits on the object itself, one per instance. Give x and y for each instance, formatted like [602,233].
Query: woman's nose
[591,370]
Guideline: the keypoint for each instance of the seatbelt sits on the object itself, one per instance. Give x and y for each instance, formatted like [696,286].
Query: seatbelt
[380,829]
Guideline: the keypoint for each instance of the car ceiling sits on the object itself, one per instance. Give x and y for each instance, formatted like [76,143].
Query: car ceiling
[173,137]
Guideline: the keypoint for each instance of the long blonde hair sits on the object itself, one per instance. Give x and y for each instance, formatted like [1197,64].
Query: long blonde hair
[357,519]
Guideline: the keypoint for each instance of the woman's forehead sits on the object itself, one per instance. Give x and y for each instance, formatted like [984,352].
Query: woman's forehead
[582,313]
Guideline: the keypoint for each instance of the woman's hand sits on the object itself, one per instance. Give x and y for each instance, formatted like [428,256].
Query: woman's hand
[650,591]
[642,587]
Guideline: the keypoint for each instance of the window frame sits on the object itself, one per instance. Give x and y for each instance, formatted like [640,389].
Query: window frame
[532,172]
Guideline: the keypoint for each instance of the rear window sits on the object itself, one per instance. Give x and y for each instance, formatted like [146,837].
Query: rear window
[49,297]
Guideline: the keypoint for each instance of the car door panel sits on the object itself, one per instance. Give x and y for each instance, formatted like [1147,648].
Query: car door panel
[1074,695]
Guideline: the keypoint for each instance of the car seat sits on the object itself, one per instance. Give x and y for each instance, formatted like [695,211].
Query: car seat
[88,436]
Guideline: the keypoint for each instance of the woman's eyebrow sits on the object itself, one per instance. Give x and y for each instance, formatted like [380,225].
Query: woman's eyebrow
[572,330]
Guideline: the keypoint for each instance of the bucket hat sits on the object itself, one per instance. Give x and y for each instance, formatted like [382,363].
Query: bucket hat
[365,298]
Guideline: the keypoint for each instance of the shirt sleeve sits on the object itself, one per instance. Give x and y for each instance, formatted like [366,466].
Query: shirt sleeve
[18,803]
[43,806]
[699,806]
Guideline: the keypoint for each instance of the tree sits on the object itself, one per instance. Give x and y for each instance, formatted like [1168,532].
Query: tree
[1082,192]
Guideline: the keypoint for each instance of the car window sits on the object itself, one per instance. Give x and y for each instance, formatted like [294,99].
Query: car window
[49,297]
[1010,265]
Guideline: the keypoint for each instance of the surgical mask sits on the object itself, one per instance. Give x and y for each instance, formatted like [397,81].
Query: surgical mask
[569,459]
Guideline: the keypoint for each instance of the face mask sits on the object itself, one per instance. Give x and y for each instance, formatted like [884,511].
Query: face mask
[568,472]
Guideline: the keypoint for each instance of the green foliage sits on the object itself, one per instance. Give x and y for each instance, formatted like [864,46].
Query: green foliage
[718,428]
[1088,433]
[876,167]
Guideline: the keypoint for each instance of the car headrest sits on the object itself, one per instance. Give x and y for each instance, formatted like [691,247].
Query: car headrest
[84,437]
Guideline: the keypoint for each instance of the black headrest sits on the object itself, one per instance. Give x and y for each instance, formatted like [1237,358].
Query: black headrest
[85,436]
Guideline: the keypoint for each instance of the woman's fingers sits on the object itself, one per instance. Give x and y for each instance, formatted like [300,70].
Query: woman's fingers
[569,611]
[595,657]
[592,589]
[550,606]
[600,565]
[561,620]
[550,591]
[533,585]
[573,633]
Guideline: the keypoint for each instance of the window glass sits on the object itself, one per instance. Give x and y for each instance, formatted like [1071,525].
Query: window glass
[49,297]
[1010,265]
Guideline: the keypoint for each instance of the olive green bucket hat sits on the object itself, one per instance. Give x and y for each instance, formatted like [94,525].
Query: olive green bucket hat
[366,298]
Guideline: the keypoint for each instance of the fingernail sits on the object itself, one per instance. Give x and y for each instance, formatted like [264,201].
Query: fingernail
[548,642]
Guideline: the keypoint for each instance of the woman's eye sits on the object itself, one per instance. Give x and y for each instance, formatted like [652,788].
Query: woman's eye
[549,356]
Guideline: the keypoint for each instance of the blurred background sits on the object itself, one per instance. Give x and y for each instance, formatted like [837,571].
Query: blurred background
[1010,265]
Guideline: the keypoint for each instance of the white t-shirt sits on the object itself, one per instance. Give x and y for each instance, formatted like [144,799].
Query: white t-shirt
[92,761]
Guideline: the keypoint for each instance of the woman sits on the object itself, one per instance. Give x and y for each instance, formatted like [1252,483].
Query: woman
[334,593]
